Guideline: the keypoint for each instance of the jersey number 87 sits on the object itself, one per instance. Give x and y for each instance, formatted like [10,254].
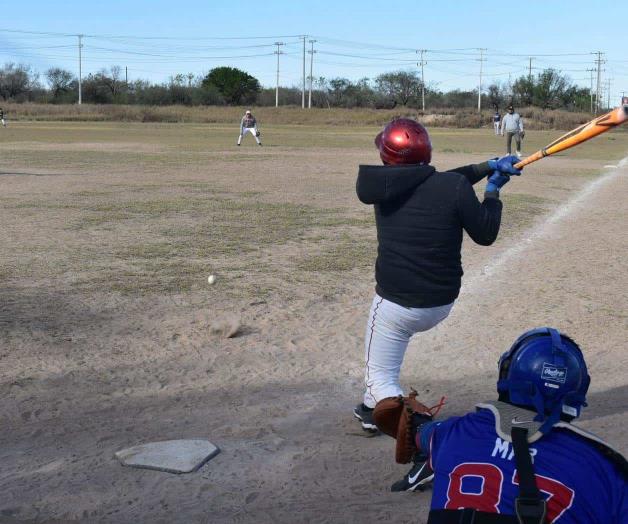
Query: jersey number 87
[491,478]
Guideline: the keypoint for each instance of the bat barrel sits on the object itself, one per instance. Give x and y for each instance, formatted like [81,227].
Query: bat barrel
[581,134]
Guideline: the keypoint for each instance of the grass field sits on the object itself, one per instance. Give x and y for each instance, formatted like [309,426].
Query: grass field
[172,184]
[108,324]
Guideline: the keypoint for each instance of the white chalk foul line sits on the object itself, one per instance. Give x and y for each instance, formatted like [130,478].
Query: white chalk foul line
[542,229]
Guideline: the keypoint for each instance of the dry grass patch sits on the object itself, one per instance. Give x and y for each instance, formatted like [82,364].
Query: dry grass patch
[350,251]
[228,232]
[440,117]
[521,210]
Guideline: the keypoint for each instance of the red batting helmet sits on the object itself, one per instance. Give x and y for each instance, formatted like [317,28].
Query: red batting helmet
[404,141]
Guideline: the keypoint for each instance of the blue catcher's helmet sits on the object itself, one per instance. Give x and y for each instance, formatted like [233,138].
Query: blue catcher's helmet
[544,369]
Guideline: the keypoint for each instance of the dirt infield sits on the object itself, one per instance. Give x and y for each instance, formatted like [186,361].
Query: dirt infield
[111,335]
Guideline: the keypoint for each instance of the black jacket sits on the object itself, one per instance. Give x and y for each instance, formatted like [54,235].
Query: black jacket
[420,215]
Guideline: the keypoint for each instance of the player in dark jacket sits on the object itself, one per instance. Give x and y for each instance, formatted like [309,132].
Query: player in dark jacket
[420,216]
[519,459]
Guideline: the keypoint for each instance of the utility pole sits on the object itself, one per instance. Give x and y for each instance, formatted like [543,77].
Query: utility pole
[80,47]
[278,52]
[530,69]
[303,91]
[599,80]
[480,84]
[591,88]
[309,101]
[608,104]
[422,63]
[126,75]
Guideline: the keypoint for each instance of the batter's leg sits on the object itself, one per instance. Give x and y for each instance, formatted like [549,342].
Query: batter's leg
[388,331]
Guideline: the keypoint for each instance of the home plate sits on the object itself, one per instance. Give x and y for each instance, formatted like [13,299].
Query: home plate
[173,456]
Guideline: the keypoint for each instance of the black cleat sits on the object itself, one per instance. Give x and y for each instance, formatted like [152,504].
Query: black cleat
[365,416]
[416,479]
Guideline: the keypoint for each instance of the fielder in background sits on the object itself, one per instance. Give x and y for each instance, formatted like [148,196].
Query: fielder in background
[512,125]
[517,459]
[2,120]
[497,117]
[249,125]
[420,216]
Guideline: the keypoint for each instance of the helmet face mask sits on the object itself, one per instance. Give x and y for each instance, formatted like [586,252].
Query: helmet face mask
[544,370]
[404,141]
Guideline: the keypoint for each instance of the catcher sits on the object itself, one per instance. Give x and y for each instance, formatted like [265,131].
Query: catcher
[420,215]
[518,459]
[248,124]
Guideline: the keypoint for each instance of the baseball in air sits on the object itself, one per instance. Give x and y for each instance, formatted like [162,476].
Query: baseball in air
[211,279]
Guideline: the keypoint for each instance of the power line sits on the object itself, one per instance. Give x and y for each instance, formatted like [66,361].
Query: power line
[145,50]
[134,37]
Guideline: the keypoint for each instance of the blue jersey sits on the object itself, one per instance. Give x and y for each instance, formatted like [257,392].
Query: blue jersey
[475,468]
[496,117]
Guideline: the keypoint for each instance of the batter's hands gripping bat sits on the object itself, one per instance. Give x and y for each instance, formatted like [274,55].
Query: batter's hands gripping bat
[581,134]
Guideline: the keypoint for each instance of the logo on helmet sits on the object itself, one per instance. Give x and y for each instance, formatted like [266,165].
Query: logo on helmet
[554,373]
[545,370]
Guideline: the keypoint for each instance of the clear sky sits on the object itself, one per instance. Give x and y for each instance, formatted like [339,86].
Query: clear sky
[156,39]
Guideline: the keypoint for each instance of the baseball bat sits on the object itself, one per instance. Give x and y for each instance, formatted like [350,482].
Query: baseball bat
[579,135]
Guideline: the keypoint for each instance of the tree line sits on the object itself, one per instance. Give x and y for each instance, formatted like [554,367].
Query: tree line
[548,89]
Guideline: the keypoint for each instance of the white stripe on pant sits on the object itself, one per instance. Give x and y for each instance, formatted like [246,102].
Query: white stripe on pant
[388,332]
[252,130]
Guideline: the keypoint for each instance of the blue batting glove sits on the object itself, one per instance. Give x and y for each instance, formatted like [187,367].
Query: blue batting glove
[496,181]
[505,164]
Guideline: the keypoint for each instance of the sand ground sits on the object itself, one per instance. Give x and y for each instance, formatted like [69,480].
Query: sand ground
[111,336]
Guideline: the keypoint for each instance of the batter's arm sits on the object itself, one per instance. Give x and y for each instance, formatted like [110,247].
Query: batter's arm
[480,220]
[474,172]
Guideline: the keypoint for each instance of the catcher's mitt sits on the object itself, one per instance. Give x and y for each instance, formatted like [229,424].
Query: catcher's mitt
[257,133]
[393,416]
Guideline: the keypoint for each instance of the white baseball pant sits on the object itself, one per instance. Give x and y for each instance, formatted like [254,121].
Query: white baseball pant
[388,332]
[496,126]
[252,130]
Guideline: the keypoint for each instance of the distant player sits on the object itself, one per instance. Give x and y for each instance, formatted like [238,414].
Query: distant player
[517,459]
[497,117]
[512,125]
[420,216]
[4,123]
[249,125]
